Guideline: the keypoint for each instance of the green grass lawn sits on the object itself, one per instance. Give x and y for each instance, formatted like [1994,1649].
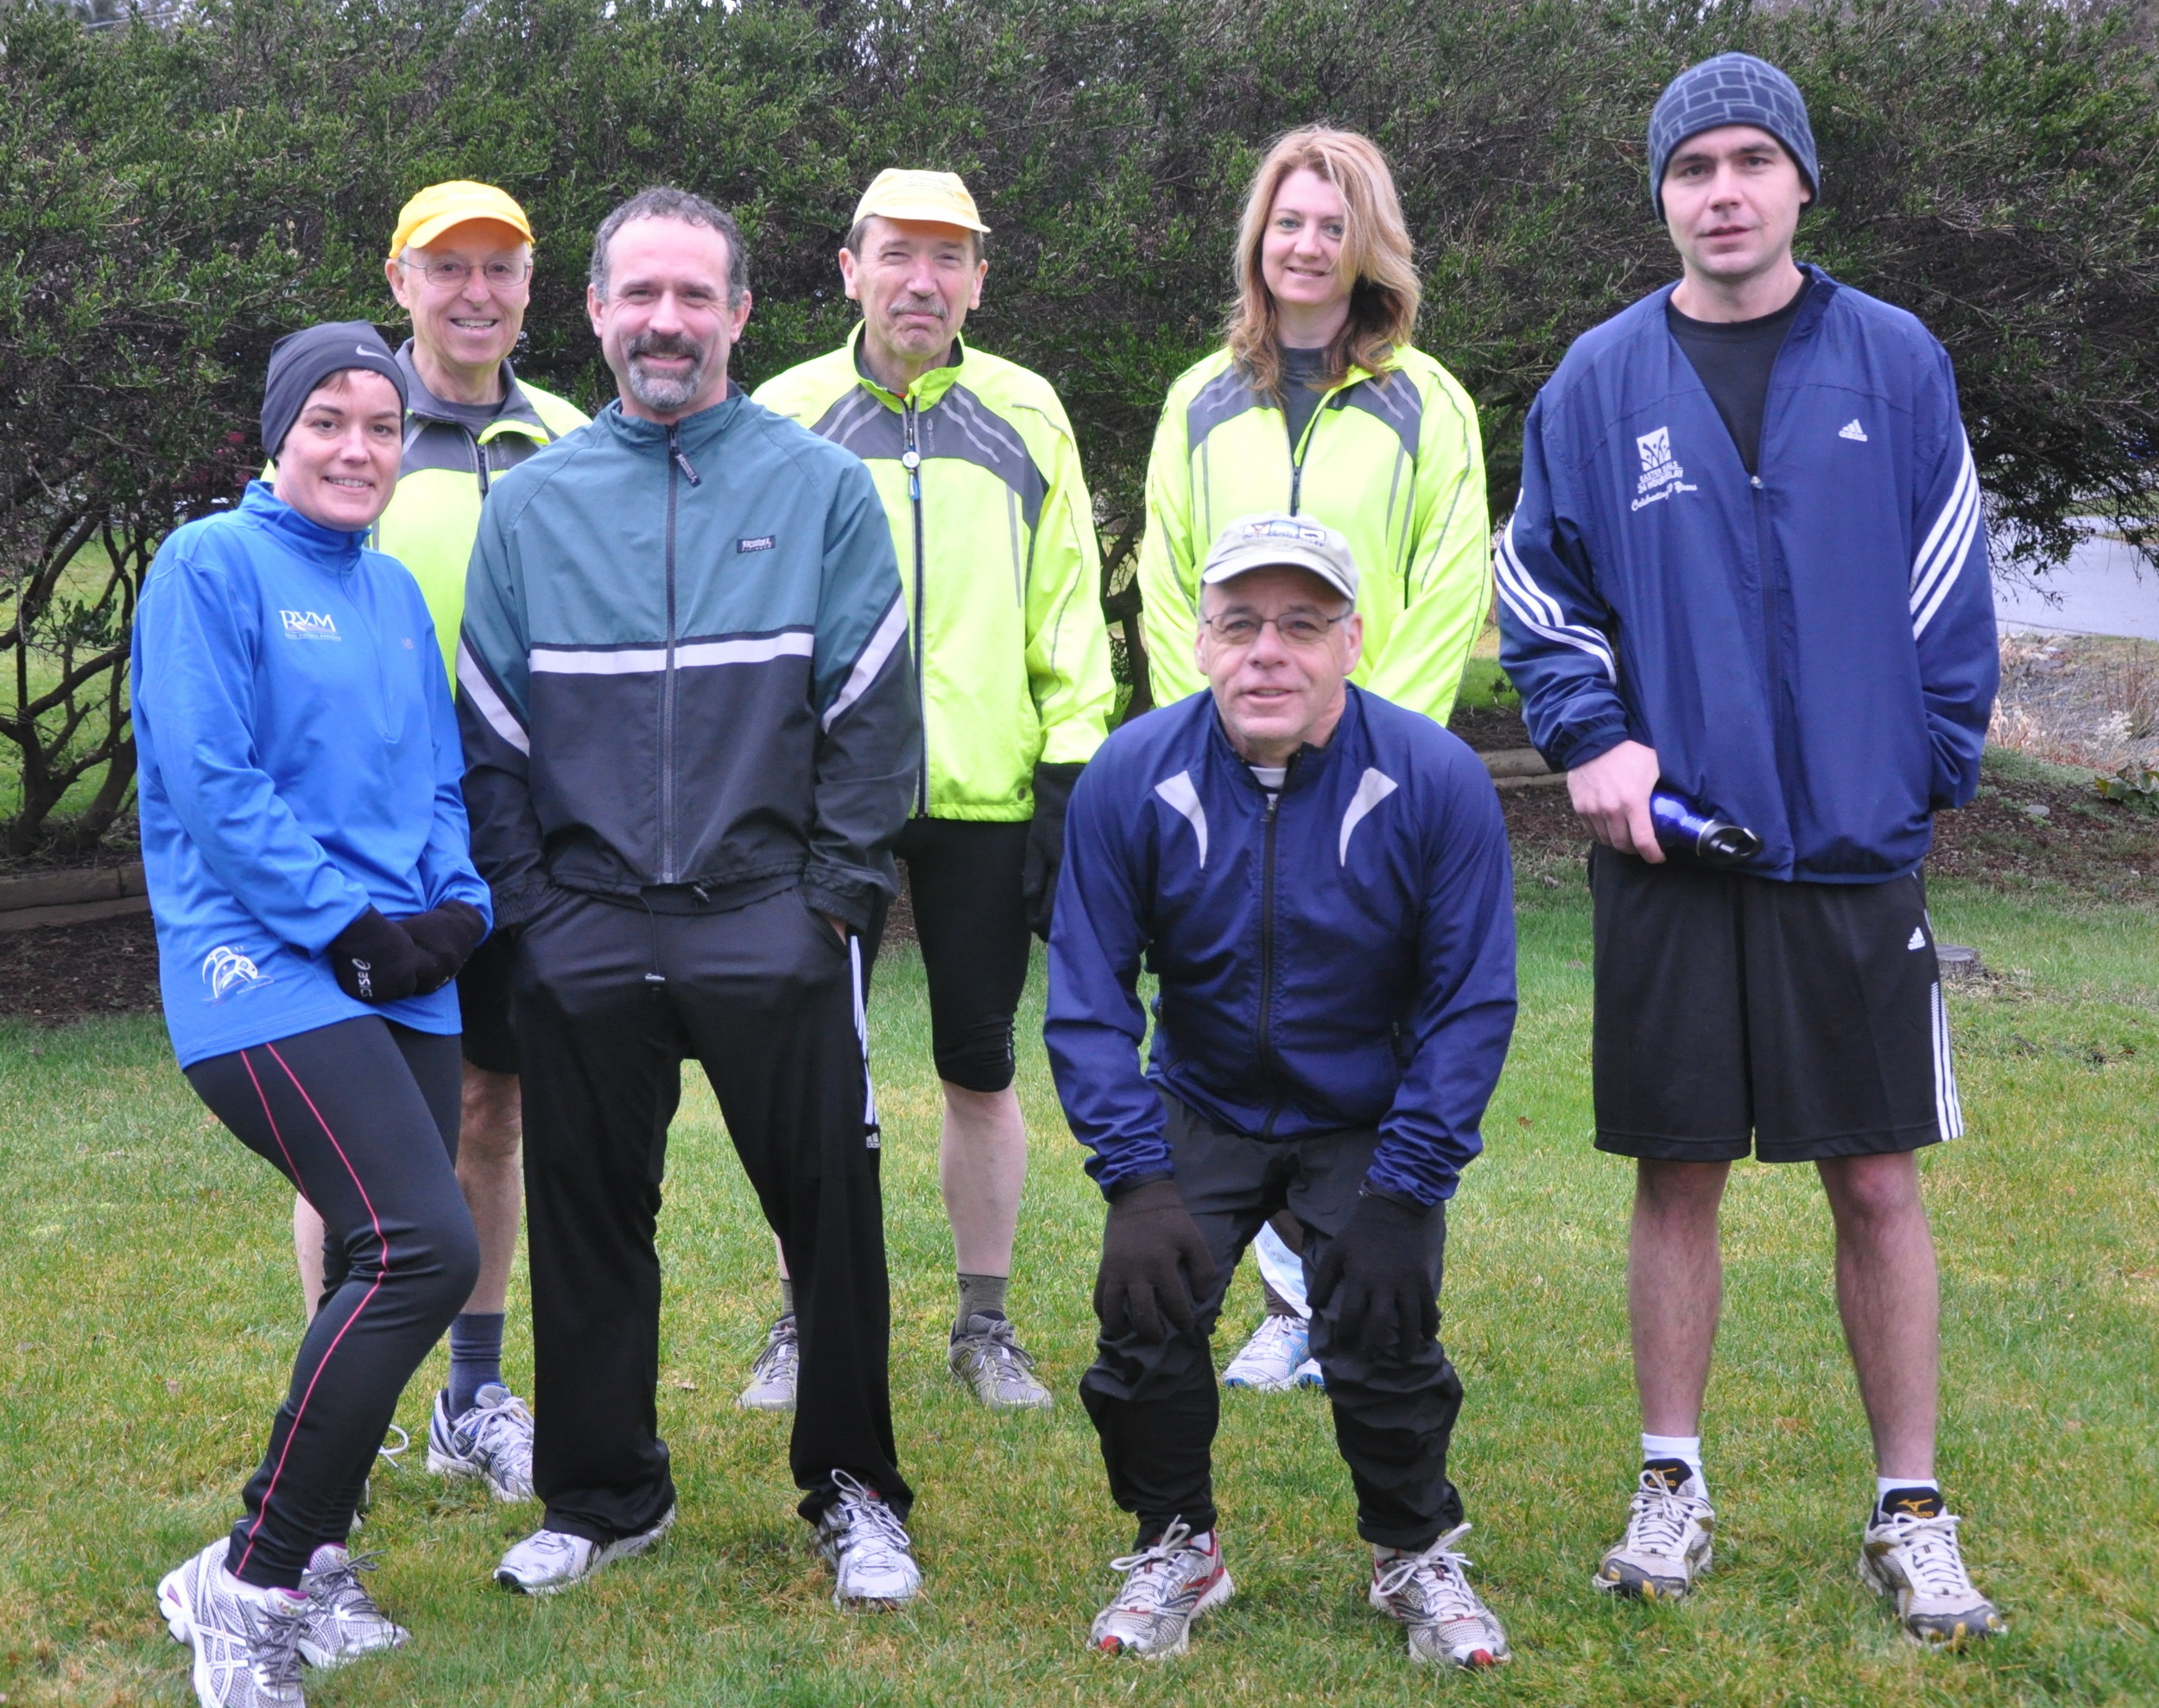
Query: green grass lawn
[147,1315]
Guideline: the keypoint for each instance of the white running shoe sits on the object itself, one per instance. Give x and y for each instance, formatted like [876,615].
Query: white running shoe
[1308,1375]
[772,1377]
[342,1622]
[492,1441]
[548,1561]
[989,1360]
[246,1641]
[1667,1545]
[1267,1361]
[1912,1560]
[862,1540]
[1430,1593]
[1166,1587]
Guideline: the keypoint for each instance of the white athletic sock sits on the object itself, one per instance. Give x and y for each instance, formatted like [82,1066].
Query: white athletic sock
[1884,1486]
[255,1593]
[1687,1448]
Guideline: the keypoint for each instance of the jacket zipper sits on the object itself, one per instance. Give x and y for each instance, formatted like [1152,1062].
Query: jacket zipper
[1267,954]
[911,460]
[676,463]
[479,459]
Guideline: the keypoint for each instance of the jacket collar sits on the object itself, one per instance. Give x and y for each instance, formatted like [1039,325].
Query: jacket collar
[692,433]
[331,547]
[1821,288]
[423,404]
[928,391]
[1309,765]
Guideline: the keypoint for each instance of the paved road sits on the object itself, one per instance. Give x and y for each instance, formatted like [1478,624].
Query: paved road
[2100,592]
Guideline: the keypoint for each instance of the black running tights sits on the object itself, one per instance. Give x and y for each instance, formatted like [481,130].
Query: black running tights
[361,1117]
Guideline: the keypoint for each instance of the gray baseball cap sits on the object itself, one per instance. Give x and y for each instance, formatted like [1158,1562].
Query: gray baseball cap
[1274,540]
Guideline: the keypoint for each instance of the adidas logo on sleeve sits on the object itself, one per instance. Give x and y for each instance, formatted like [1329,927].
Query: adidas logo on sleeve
[1853,431]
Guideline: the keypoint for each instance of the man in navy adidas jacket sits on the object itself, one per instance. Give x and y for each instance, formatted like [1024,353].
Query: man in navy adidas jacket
[1749,561]
[1319,879]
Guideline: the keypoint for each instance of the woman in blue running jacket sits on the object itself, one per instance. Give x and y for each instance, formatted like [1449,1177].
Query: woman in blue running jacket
[304,833]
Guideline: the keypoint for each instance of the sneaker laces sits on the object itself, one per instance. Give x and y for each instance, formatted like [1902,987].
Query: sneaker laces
[501,1434]
[1932,1560]
[870,1529]
[338,1589]
[1263,1342]
[1153,1575]
[392,1453]
[999,1345]
[1440,1572]
[273,1644]
[1658,1516]
[780,1347]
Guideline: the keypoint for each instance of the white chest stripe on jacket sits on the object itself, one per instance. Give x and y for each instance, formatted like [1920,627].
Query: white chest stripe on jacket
[1372,788]
[642,661]
[1180,793]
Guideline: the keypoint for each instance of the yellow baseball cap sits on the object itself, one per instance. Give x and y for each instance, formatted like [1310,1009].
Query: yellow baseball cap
[939,198]
[440,206]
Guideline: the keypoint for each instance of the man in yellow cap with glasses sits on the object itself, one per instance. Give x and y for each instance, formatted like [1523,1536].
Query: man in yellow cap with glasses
[460,265]
[980,477]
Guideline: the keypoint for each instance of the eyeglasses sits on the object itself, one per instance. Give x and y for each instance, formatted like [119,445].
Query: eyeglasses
[449,276]
[1303,629]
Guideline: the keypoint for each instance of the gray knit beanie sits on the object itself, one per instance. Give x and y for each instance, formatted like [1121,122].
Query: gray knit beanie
[1730,89]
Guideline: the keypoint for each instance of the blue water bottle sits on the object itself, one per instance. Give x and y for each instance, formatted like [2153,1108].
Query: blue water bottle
[1708,837]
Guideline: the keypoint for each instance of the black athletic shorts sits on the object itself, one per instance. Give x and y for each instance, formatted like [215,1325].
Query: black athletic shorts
[1807,1015]
[491,1042]
[963,880]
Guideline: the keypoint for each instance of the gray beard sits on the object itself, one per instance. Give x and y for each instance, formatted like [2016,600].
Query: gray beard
[665,395]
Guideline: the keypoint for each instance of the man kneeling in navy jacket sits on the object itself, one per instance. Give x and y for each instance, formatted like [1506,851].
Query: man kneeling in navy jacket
[1320,881]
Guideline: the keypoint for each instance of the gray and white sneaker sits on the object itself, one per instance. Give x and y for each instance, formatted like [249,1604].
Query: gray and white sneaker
[1430,1593]
[1267,1361]
[862,1540]
[772,1377]
[1667,1545]
[1912,1560]
[987,1358]
[246,1641]
[1166,1587]
[492,1441]
[342,1622]
[548,1561]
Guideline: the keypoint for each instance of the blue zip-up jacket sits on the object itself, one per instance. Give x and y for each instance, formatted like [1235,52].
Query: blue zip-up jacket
[1342,958]
[300,762]
[1810,650]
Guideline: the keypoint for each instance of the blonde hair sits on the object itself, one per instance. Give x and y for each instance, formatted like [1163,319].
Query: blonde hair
[1374,249]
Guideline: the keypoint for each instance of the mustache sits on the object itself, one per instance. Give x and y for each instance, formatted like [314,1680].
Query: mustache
[663,344]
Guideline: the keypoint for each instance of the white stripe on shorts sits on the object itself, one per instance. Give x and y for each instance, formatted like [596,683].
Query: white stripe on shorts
[1948,1111]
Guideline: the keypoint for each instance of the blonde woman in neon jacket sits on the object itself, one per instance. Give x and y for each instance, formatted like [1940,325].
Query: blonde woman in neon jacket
[1318,404]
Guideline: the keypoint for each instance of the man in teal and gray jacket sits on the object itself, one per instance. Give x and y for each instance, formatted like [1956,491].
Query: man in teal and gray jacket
[690,730]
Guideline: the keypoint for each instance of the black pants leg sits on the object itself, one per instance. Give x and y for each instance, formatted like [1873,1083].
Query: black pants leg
[1156,1407]
[610,1001]
[361,1117]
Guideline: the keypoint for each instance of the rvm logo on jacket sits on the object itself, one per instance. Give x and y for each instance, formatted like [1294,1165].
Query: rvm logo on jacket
[309,625]
[1658,470]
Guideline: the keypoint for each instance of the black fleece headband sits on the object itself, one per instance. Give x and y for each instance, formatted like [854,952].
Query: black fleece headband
[301,361]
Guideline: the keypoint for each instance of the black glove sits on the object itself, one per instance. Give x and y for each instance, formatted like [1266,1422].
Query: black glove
[1046,844]
[446,938]
[374,961]
[1379,1260]
[1148,1236]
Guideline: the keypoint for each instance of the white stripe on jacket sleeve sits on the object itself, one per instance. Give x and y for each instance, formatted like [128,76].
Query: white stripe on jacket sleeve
[490,705]
[1539,612]
[1947,545]
[889,634]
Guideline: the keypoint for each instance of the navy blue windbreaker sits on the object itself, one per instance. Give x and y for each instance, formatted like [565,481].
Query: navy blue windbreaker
[1811,650]
[1344,960]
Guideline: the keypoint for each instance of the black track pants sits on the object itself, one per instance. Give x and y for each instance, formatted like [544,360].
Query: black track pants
[1155,1407]
[361,1117]
[609,1001]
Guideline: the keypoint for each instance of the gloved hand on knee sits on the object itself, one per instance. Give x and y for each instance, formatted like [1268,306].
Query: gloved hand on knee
[374,961]
[1150,1249]
[446,937]
[1378,1264]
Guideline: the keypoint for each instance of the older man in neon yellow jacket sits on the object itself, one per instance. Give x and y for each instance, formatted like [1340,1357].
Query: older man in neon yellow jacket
[995,532]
